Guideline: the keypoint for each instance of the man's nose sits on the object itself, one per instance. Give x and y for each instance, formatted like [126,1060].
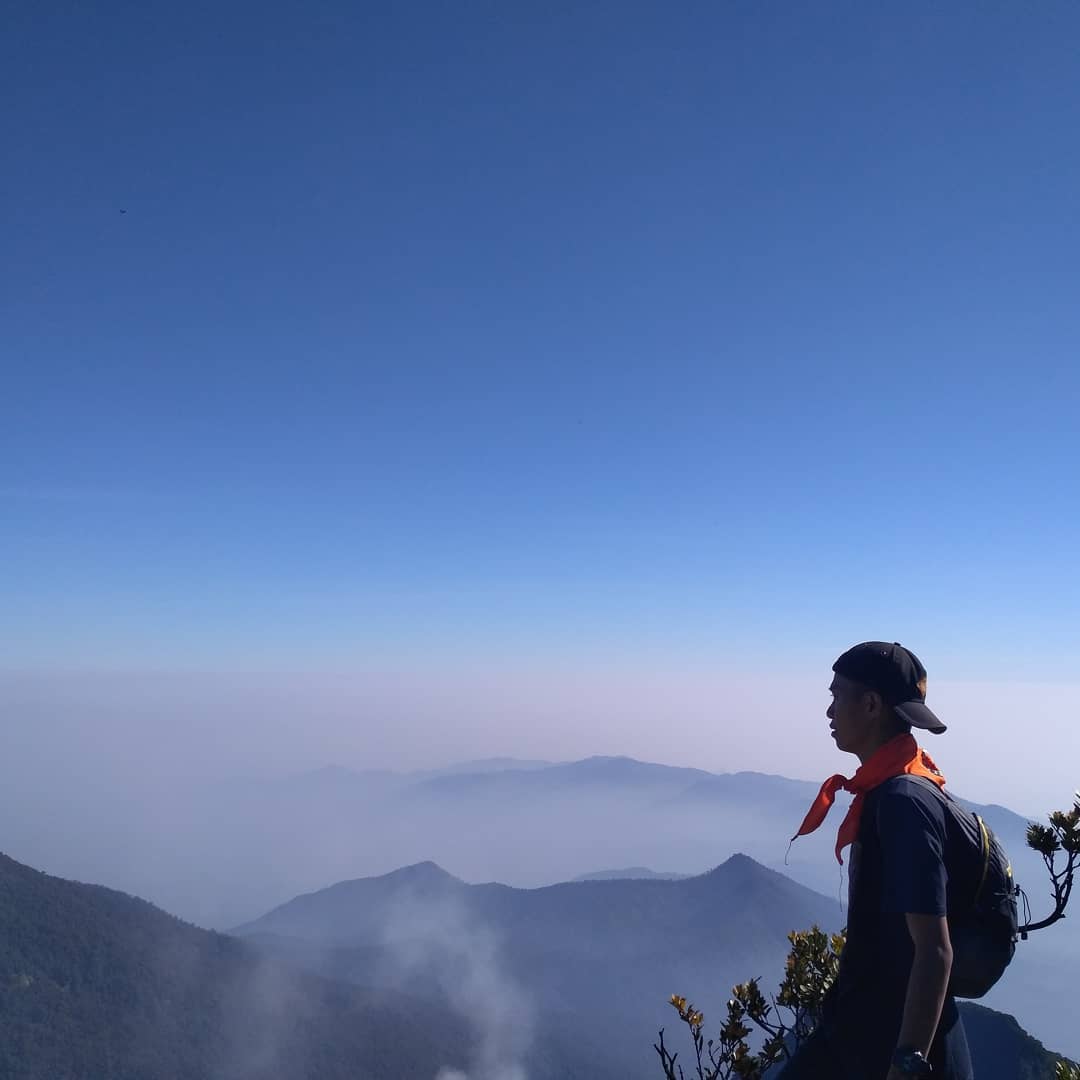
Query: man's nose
[828,712]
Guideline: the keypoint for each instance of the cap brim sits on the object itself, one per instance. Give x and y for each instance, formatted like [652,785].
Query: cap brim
[918,715]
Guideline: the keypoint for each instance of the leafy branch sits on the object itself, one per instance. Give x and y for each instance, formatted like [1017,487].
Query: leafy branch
[1062,835]
[785,1019]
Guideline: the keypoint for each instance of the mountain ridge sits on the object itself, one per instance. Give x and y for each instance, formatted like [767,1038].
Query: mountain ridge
[625,942]
[101,985]
[106,986]
[263,844]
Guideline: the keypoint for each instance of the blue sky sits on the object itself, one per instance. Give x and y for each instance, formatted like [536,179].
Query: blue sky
[435,334]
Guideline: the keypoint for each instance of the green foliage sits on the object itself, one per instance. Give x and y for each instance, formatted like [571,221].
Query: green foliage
[784,1020]
[1062,835]
[1001,1049]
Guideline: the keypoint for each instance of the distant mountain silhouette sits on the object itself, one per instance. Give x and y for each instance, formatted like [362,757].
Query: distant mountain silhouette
[98,985]
[634,872]
[591,773]
[360,910]
[599,957]
[1001,1048]
[240,850]
[720,787]
[353,912]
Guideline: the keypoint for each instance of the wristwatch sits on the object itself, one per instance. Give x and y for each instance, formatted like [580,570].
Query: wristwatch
[911,1062]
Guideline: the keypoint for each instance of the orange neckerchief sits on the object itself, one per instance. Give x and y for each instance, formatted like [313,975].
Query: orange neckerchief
[898,756]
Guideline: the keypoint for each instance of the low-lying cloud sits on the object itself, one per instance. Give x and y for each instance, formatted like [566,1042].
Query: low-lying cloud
[438,937]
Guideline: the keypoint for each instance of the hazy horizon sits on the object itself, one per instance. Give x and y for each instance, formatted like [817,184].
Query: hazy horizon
[140,728]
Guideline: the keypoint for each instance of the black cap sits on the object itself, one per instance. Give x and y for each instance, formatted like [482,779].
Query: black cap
[896,674]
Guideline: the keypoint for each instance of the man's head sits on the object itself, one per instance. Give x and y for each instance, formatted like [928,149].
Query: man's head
[879,691]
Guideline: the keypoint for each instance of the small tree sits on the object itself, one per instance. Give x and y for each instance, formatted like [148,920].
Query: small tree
[785,1021]
[1061,835]
[787,1017]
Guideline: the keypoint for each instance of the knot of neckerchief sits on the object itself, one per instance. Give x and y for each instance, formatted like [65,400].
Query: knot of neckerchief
[898,756]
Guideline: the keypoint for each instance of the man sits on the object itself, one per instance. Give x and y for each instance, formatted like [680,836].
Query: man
[889,1015]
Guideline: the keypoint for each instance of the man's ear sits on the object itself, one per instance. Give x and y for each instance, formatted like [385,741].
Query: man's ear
[875,703]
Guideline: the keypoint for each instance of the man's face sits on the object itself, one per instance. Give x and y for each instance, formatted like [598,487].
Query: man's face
[851,719]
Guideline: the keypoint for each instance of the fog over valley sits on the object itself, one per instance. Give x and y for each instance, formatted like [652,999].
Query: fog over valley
[225,854]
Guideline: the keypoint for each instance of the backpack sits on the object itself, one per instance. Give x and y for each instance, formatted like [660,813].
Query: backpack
[984,929]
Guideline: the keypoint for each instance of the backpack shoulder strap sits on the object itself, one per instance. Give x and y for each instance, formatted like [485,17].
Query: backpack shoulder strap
[985,836]
[929,785]
[984,839]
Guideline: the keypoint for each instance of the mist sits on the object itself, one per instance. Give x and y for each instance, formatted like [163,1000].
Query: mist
[219,797]
[129,733]
[206,792]
[422,937]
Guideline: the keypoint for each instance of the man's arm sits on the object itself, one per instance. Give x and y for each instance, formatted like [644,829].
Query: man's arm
[927,983]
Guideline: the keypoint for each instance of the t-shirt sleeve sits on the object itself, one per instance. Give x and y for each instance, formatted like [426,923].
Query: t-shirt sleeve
[911,831]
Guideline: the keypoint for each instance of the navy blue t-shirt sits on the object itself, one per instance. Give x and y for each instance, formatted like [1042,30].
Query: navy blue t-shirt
[911,855]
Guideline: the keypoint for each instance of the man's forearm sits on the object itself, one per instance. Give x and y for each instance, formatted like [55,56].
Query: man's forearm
[926,989]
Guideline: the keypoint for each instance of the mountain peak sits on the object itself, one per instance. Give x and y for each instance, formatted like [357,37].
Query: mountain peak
[741,868]
[426,872]
[740,859]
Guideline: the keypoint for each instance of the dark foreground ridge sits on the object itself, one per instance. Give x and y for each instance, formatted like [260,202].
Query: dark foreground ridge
[98,985]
